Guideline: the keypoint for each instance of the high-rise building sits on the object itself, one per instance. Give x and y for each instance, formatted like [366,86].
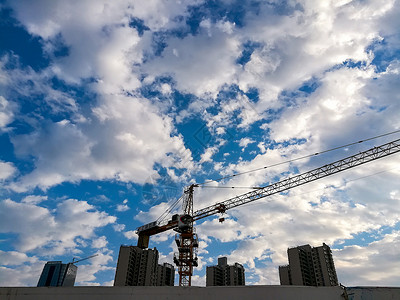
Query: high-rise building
[224,274]
[165,275]
[311,266]
[136,266]
[55,273]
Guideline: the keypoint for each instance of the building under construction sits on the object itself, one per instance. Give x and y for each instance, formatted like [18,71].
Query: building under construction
[224,274]
[311,266]
[139,267]
[186,239]
[55,273]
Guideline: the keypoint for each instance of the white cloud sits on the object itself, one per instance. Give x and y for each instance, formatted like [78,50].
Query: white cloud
[374,264]
[302,45]
[6,112]
[101,43]
[244,142]
[200,64]
[108,283]
[15,258]
[7,170]
[122,207]
[166,89]
[117,145]
[86,274]
[207,155]
[131,235]
[39,229]
[227,231]
[100,242]
[338,104]
[119,227]
[24,275]
[159,14]
[123,137]
[329,210]
[34,199]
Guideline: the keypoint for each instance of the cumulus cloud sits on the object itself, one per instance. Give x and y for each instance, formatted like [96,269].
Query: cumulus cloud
[115,145]
[40,229]
[373,264]
[35,86]
[320,81]
[119,227]
[7,170]
[103,47]
[191,62]
[330,210]
[122,207]
[33,199]
[6,112]
[23,275]
[100,242]
[131,235]
[244,142]
[15,258]
[86,274]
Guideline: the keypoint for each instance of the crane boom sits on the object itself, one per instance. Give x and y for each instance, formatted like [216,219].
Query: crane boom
[286,184]
[283,185]
[187,241]
[74,260]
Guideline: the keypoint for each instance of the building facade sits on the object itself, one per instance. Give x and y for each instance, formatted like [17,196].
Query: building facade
[309,266]
[136,267]
[165,275]
[224,274]
[55,273]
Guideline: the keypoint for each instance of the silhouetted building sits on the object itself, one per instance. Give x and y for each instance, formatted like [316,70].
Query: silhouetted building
[224,274]
[55,273]
[165,275]
[136,266]
[311,266]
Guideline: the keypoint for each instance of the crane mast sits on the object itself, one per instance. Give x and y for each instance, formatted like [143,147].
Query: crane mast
[186,239]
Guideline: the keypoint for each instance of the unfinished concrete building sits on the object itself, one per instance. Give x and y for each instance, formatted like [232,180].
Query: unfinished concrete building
[309,266]
[165,275]
[224,274]
[136,266]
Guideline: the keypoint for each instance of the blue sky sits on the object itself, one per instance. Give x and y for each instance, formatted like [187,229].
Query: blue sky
[108,109]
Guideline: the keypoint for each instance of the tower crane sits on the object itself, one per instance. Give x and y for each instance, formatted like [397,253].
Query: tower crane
[75,260]
[186,239]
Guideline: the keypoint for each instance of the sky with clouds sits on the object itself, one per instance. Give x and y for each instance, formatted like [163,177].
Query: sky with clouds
[108,109]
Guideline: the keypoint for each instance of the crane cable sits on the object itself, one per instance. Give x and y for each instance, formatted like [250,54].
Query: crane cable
[295,159]
[169,210]
[338,187]
[203,185]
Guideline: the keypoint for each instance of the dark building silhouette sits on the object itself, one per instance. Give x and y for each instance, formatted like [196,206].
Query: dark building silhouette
[224,274]
[165,275]
[136,267]
[310,266]
[55,273]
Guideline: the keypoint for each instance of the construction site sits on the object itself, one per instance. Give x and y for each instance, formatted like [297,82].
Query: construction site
[199,149]
[138,276]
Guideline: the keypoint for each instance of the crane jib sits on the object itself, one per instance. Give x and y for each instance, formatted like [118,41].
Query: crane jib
[297,180]
[187,241]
